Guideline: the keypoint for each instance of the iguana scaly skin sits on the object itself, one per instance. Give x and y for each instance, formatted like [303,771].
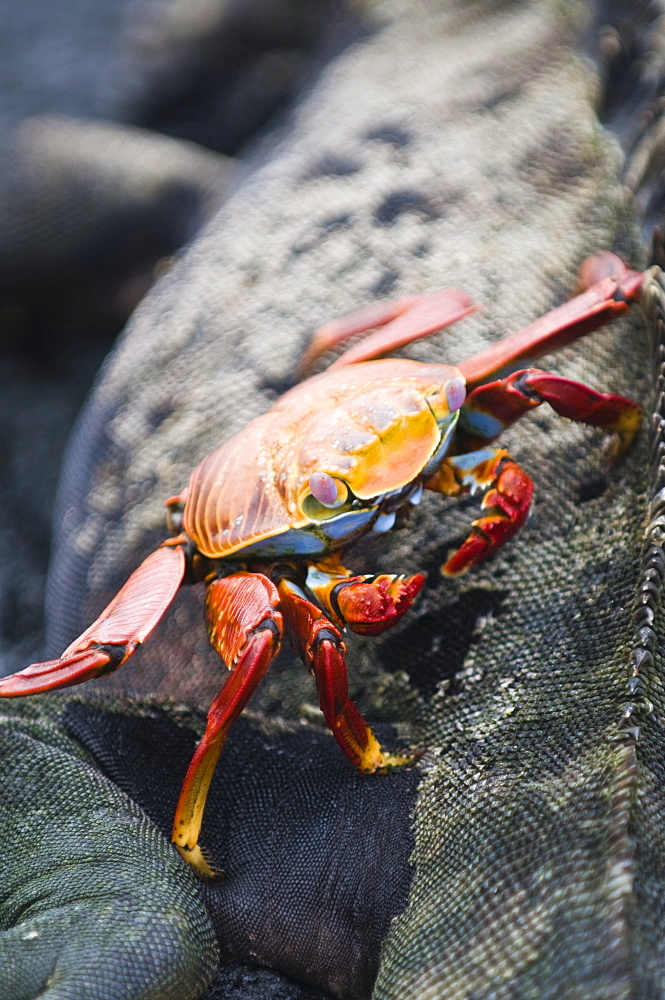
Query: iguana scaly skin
[457,143]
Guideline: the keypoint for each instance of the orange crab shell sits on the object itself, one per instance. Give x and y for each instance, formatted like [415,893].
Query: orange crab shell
[374,424]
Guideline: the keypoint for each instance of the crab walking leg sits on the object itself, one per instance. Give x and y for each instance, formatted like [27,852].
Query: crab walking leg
[112,638]
[246,629]
[491,408]
[399,322]
[506,503]
[610,288]
[319,643]
[486,413]
[367,604]
[601,303]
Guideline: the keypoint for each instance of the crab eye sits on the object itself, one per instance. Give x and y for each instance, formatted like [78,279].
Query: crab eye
[327,490]
[455,392]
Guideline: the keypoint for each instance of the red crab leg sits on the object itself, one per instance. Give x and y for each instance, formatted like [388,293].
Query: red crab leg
[399,322]
[246,629]
[601,303]
[367,604]
[487,412]
[491,408]
[319,642]
[112,638]
[506,503]
[611,288]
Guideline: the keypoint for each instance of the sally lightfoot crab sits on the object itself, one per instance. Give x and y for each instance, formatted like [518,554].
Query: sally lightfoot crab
[266,518]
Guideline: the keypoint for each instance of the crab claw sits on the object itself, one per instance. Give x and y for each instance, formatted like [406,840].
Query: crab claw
[372,606]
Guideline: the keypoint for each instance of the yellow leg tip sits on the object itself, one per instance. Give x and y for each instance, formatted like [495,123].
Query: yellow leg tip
[393,760]
[195,857]
[375,760]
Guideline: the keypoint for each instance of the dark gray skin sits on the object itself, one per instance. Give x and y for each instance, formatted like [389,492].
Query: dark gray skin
[474,158]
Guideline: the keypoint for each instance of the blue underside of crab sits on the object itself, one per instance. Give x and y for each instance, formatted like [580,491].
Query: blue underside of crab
[322,537]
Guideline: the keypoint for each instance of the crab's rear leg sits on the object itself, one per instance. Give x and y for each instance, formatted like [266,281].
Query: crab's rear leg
[112,638]
[611,288]
[245,628]
[392,324]
[319,643]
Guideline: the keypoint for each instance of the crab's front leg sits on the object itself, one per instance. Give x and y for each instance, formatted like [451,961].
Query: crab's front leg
[245,628]
[493,407]
[319,643]
[505,504]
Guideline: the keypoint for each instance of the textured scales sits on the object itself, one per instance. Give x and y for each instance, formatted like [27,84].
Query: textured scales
[512,137]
